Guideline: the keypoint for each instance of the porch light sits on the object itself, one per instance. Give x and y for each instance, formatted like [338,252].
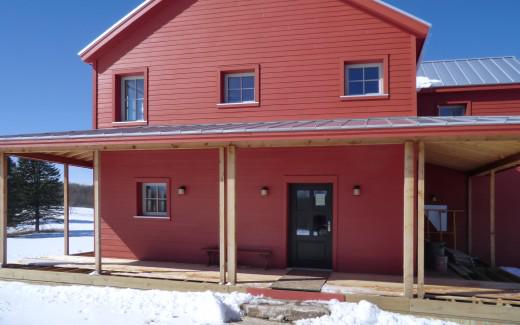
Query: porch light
[264,191]
[181,190]
[434,198]
[356,190]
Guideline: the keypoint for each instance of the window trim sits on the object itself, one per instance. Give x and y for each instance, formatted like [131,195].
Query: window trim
[221,86]
[456,103]
[117,91]
[140,183]
[382,61]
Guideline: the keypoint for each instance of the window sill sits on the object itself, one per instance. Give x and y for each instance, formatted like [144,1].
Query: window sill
[368,97]
[166,218]
[238,105]
[127,124]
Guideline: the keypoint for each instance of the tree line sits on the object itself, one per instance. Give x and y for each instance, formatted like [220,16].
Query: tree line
[35,193]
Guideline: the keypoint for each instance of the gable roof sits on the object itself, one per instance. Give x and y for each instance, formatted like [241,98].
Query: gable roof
[469,72]
[391,14]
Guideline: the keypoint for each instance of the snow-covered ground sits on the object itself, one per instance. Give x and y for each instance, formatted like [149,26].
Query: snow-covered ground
[28,304]
[33,245]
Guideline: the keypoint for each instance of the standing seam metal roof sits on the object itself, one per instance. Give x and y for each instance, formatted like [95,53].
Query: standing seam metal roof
[271,127]
[469,72]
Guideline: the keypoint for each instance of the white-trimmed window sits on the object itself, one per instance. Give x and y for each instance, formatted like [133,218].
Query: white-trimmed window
[132,99]
[364,79]
[155,199]
[239,88]
[452,110]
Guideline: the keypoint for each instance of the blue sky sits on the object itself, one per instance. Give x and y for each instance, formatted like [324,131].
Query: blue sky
[46,87]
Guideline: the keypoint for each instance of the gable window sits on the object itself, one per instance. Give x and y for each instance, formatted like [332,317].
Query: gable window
[452,110]
[364,79]
[239,88]
[132,99]
[154,200]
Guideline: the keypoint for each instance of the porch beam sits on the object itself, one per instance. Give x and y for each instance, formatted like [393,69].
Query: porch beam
[408,215]
[55,159]
[506,163]
[222,213]
[97,212]
[420,220]
[66,209]
[3,208]
[492,212]
[231,216]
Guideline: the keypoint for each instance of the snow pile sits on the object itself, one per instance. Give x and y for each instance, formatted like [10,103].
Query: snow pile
[365,313]
[34,245]
[512,270]
[23,304]
[425,82]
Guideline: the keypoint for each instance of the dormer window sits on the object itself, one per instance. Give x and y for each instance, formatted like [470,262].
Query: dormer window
[239,88]
[364,79]
[132,99]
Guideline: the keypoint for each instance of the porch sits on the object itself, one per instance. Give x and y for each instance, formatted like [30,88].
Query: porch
[472,149]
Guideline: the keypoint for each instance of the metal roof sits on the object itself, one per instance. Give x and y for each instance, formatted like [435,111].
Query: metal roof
[271,127]
[469,72]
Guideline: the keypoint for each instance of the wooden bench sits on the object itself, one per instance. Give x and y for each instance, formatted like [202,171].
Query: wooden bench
[214,252]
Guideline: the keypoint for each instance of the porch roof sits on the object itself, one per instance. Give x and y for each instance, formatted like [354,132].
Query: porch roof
[466,143]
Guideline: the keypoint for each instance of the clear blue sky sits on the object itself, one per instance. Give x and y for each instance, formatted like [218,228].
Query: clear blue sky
[46,87]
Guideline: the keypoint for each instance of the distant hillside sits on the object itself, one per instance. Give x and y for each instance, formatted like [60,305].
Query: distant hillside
[81,196]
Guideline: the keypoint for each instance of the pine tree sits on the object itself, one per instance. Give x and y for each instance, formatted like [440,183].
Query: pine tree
[14,204]
[39,191]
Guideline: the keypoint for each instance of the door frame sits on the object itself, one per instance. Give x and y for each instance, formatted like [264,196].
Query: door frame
[312,179]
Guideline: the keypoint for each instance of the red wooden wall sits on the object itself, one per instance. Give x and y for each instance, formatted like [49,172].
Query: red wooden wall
[507,218]
[369,227]
[298,45]
[486,102]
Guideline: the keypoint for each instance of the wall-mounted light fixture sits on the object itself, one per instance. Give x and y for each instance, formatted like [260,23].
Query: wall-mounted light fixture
[356,190]
[433,198]
[264,191]
[181,190]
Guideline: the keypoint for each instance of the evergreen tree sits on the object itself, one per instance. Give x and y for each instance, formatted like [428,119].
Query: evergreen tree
[14,204]
[39,191]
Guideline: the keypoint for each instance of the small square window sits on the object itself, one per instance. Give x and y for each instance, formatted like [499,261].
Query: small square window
[364,79]
[154,199]
[452,110]
[239,88]
[132,99]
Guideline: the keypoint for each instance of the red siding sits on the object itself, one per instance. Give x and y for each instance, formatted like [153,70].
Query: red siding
[507,218]
[298,45]
[488,102]
[369,227]
[449,186]
[194,217]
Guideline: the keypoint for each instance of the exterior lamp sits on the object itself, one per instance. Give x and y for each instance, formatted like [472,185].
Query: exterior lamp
[264,191]
[181,190]
[356,190]
[434,198]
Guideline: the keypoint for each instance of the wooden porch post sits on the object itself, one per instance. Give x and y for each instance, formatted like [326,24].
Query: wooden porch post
[408,214]
[66,208]
[470,215]
[222,214]
[231,216]
[97,212]
[492,212]
[3,208]
[420,221]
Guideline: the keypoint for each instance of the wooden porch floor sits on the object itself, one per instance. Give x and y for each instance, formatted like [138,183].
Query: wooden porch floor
[437,286]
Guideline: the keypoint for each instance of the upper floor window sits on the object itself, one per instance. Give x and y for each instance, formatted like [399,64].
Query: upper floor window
[239,88]
[364,79]
[132,99]
[452,110]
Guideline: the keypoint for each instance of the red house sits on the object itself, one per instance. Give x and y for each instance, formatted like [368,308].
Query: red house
[308,130]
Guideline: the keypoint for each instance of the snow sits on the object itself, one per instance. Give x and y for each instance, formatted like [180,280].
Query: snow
[365,313]
[425,82]
[28,304]
[33,245]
